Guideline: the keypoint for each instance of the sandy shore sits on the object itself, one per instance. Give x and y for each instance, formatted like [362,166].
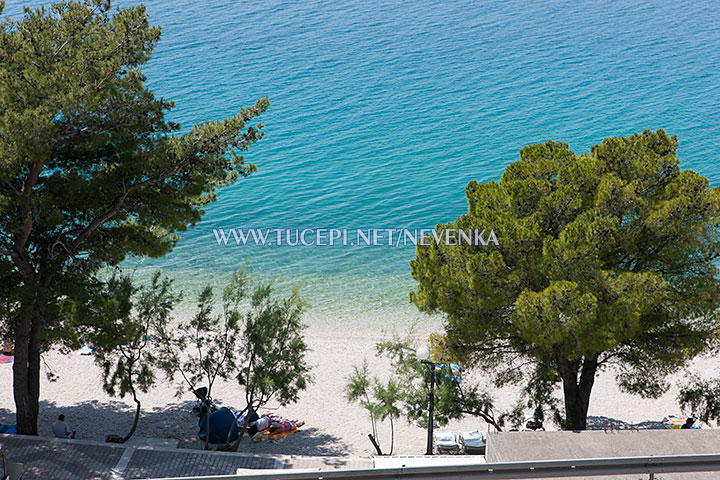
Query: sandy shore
[332,425]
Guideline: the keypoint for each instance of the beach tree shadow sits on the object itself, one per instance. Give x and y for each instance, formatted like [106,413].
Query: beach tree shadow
[93,420]
[307,441]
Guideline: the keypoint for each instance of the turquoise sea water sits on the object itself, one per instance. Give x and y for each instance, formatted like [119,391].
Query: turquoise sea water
[382,112]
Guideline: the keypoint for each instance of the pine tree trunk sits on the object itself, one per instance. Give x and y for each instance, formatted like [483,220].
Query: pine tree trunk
[26,374]
[576,391]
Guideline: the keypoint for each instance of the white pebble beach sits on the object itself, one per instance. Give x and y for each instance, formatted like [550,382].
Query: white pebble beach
[332,427]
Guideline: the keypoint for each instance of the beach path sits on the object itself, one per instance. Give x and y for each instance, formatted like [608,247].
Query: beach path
[59,459]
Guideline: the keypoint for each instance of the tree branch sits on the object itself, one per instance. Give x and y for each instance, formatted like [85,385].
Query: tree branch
[84,24]
[26,206]
[99,221]
[13,188]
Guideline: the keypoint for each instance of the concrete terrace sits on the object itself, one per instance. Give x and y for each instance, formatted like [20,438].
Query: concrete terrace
[528,446]
[59,459]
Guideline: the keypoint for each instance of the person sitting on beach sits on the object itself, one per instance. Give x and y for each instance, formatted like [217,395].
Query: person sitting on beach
[688,424]
[61,429]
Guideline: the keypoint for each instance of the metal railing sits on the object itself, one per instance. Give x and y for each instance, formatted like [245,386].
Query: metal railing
[509,470]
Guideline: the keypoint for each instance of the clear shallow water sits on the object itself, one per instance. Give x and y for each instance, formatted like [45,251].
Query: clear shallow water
[382,112]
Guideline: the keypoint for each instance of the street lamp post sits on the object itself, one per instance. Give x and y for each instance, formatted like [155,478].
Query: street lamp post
[423,354]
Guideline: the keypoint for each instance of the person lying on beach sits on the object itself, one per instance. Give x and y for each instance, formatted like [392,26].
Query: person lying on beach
[273,424]
[262,423]
[284,426]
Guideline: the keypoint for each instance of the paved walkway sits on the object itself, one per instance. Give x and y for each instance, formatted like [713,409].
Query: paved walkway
[58,459]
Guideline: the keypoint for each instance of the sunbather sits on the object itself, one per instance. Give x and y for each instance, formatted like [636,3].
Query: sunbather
[273,424]
[284,426]
[262,423]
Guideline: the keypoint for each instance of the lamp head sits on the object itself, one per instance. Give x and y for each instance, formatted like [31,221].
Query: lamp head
[422,353]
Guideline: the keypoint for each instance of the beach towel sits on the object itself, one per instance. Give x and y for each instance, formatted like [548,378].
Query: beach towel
[266,435]
[6,358]
[675,423]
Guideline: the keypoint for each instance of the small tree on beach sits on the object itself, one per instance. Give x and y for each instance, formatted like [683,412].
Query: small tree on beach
[406,392]
[380,401]
[701,398]
[256,339]
[200,350]
[272,362]
[454,397]
[90,169]
[606,258]
[123,346]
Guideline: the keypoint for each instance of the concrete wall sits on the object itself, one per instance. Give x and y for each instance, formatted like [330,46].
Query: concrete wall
[520,446]
[528,446]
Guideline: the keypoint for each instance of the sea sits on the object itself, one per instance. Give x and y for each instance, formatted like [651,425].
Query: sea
[383,111]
